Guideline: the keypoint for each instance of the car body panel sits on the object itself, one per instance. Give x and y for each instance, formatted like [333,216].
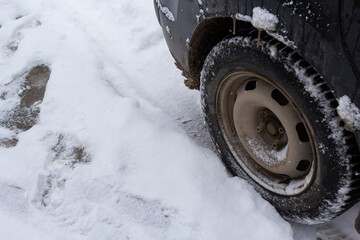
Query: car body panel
[350,23]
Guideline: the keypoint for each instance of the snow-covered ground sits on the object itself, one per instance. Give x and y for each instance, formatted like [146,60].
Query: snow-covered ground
[119,149]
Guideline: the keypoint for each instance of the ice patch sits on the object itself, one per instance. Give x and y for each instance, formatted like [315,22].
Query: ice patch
[349,113]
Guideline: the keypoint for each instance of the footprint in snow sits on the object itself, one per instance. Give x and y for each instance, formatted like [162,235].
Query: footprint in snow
[19,33]
[19,102]
[65,154]
[12,199]
[143,211]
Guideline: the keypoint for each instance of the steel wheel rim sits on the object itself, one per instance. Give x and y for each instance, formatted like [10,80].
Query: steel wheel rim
[266,133]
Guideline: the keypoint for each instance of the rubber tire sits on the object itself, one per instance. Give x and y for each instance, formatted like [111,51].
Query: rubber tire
[331,191]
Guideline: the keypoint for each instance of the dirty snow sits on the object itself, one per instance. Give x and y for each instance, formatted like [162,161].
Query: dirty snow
[349,113]
[117,151]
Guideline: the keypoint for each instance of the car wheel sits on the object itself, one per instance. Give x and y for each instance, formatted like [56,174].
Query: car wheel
[273,121]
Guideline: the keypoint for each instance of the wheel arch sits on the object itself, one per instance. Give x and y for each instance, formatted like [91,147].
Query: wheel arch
[208,34]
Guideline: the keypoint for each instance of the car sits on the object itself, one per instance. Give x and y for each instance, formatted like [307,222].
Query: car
[280,93]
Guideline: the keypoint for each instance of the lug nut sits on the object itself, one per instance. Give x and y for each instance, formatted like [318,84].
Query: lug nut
[260,128]
[274,145]
[281,130]
[264,113]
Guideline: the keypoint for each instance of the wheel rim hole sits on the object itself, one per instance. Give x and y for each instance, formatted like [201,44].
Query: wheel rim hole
[251,85]
[279,97]
[303,165]
[301,131]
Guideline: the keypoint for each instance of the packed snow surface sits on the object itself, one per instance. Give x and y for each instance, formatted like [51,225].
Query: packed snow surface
[113,154]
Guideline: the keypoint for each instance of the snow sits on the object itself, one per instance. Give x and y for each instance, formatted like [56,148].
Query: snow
[166,11]
[242,17]
[168,30]
[266,153]
[117,150]
[273,51]
[263,19]
[349,113]
[289,3]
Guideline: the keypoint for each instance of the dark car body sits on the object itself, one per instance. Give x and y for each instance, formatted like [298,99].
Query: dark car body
[325,33]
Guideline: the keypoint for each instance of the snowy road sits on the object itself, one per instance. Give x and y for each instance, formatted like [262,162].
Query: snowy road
[119,150]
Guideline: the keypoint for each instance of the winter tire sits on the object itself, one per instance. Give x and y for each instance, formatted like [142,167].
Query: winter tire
[274,123]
